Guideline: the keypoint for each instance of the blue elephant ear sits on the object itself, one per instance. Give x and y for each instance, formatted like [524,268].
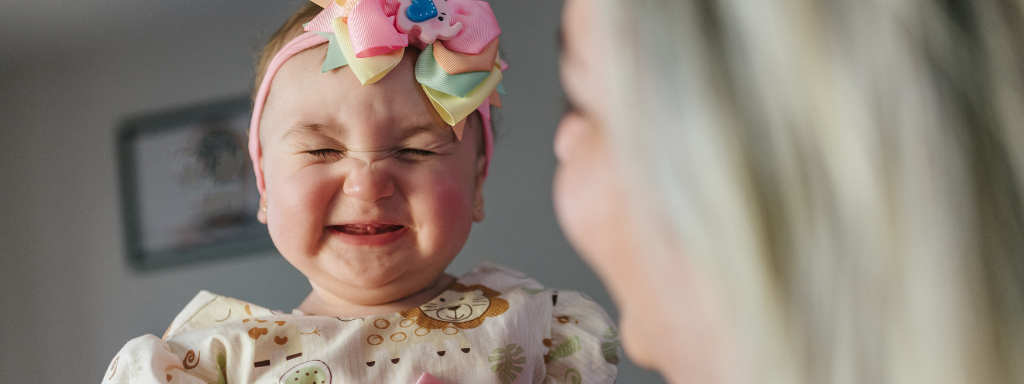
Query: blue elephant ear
[430,74]
[421,10]
[335,57]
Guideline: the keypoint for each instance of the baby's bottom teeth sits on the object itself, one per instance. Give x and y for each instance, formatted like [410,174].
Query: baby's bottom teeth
[368,229]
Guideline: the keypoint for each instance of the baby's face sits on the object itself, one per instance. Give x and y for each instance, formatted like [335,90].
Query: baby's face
[368,192]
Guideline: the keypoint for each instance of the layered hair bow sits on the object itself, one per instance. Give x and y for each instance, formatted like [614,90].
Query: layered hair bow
[459,67]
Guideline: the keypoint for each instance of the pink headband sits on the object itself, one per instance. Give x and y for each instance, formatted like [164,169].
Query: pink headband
[301,43]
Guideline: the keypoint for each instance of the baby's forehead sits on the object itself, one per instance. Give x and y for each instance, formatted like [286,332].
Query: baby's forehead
[309,64]
[302,78]
[303,96]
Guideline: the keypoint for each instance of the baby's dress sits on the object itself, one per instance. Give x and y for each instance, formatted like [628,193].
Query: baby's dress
[494,325]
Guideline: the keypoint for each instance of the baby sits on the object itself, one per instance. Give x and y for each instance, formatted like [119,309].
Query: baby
[370,152]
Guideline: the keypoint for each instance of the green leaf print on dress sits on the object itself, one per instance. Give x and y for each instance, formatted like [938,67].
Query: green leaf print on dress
[610,348]
[573,376]
[532,291]
[134,369]
[568,347]
[509,362]
[310,372]
[222,369]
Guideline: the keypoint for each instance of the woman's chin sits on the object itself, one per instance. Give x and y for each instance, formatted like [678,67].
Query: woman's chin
[640,350]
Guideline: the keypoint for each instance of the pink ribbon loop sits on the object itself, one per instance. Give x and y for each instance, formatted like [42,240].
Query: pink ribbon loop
[322,21]
[372,25]
[372,28]
[479,26]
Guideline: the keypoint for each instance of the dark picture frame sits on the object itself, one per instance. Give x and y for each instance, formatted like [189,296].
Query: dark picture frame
[187,186]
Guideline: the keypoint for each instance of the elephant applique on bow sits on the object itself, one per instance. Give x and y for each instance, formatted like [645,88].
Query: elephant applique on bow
[432,18]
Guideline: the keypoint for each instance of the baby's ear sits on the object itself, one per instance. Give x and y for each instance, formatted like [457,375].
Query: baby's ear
[478,191]
[481,166]
[261,215]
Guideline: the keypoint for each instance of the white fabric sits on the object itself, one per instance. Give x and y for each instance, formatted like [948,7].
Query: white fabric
[537,336]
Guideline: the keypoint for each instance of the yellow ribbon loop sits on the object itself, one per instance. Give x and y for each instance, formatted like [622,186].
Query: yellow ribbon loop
[368,69]
[453,108]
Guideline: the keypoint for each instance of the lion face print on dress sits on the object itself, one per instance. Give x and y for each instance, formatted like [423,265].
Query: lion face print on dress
[444,318]
[460,307]
[457,307]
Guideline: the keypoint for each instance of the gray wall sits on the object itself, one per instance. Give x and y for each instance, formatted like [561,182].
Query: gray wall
[69,74]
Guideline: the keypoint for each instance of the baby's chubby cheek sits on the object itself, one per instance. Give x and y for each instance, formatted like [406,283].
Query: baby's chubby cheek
[442,213]
[297,208]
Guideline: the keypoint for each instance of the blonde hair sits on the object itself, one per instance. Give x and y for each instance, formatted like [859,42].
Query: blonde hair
[848,175]
[288,31]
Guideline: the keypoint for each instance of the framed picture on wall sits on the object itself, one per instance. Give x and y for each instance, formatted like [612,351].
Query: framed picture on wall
[188,189]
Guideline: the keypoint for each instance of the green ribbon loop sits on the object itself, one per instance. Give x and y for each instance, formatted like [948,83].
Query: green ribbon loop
[430,74]
[335,58]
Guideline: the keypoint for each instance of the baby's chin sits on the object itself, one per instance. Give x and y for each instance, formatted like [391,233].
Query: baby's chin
[378,286]
[337,297]
[374,297]
[383,274]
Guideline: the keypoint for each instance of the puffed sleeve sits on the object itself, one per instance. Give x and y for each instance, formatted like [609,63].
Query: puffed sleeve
[584,345]
[149,360]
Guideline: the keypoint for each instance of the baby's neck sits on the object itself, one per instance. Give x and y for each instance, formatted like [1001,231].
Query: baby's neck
[319,304]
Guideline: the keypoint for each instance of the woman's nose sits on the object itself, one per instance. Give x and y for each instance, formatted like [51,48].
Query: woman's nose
[368,184]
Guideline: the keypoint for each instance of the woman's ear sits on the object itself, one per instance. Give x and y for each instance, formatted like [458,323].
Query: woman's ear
[261,215]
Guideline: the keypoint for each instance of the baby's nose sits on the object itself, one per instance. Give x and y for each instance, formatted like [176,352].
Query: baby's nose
[368,184]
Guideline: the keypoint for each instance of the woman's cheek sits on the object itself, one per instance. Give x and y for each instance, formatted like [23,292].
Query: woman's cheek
[590,202]
[581,190]
[571,201]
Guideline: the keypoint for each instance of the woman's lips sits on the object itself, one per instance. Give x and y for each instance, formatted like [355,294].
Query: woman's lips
[369,234]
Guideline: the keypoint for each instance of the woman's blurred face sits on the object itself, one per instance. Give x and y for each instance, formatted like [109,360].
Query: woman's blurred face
[590,199]
[595,209]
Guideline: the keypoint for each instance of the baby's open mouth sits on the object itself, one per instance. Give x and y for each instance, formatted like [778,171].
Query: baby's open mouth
[367,229]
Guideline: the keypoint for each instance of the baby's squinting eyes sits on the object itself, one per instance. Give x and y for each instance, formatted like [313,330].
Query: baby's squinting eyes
[404,154]
[326,154]
[415,153]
